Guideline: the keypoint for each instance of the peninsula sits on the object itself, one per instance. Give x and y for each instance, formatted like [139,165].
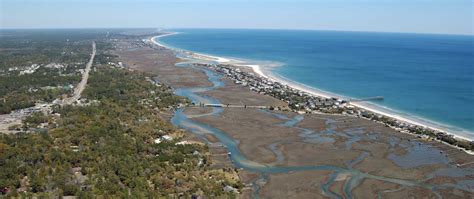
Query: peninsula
[266,126]
[130,117]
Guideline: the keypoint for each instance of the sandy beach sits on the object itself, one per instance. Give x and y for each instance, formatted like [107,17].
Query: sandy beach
[265,72]
[341,148]
[366,105]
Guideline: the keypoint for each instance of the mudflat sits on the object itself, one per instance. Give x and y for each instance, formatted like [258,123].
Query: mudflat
[160,62]
[365,159]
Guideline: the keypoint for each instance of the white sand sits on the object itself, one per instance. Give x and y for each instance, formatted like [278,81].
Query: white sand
[320,93]
[370,107]
[153,39]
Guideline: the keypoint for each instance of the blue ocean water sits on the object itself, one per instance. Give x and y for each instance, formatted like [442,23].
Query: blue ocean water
[422,75]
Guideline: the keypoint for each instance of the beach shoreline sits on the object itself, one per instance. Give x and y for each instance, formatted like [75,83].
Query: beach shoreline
[267,74]
[276,137]
[366,106]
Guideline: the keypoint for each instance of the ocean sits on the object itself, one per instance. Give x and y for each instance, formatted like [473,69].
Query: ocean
[425,77]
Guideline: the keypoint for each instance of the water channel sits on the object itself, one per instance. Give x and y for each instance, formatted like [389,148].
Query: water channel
[354,177]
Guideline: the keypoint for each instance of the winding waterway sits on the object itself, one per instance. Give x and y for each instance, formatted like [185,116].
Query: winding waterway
[354,177]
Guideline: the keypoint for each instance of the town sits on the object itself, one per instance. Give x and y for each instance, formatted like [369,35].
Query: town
[59,101]
[302,102]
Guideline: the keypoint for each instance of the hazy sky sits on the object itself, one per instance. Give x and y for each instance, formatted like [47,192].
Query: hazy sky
[426,16]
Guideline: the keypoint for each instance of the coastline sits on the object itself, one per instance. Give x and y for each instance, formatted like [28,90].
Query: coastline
[369,107]
[261,71]
[265,145]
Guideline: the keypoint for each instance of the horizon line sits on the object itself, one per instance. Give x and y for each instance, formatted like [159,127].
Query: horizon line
[229,28]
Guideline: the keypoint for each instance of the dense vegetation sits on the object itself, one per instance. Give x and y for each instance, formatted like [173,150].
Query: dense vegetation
[105,147]
[22,91]
[22,50]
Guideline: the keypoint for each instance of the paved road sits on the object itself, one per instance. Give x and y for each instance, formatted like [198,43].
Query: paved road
[85,76]
[7,120]
[231,106]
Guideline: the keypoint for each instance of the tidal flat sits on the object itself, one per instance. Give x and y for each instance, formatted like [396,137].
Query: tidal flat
[307,155]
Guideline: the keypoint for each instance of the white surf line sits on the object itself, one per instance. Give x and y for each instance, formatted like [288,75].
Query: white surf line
[201,56]
[324,94]
[153,39]
[257,69]
[370,109]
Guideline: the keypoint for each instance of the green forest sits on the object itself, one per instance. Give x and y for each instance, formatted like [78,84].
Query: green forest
[104,147]
[107,149]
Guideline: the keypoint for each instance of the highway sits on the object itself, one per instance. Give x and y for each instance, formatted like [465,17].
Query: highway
[85,76]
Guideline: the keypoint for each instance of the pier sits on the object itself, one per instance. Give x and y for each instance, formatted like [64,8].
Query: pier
[229,106]
[375,98]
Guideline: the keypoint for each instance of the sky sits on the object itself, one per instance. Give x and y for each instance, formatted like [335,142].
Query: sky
[419,16]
